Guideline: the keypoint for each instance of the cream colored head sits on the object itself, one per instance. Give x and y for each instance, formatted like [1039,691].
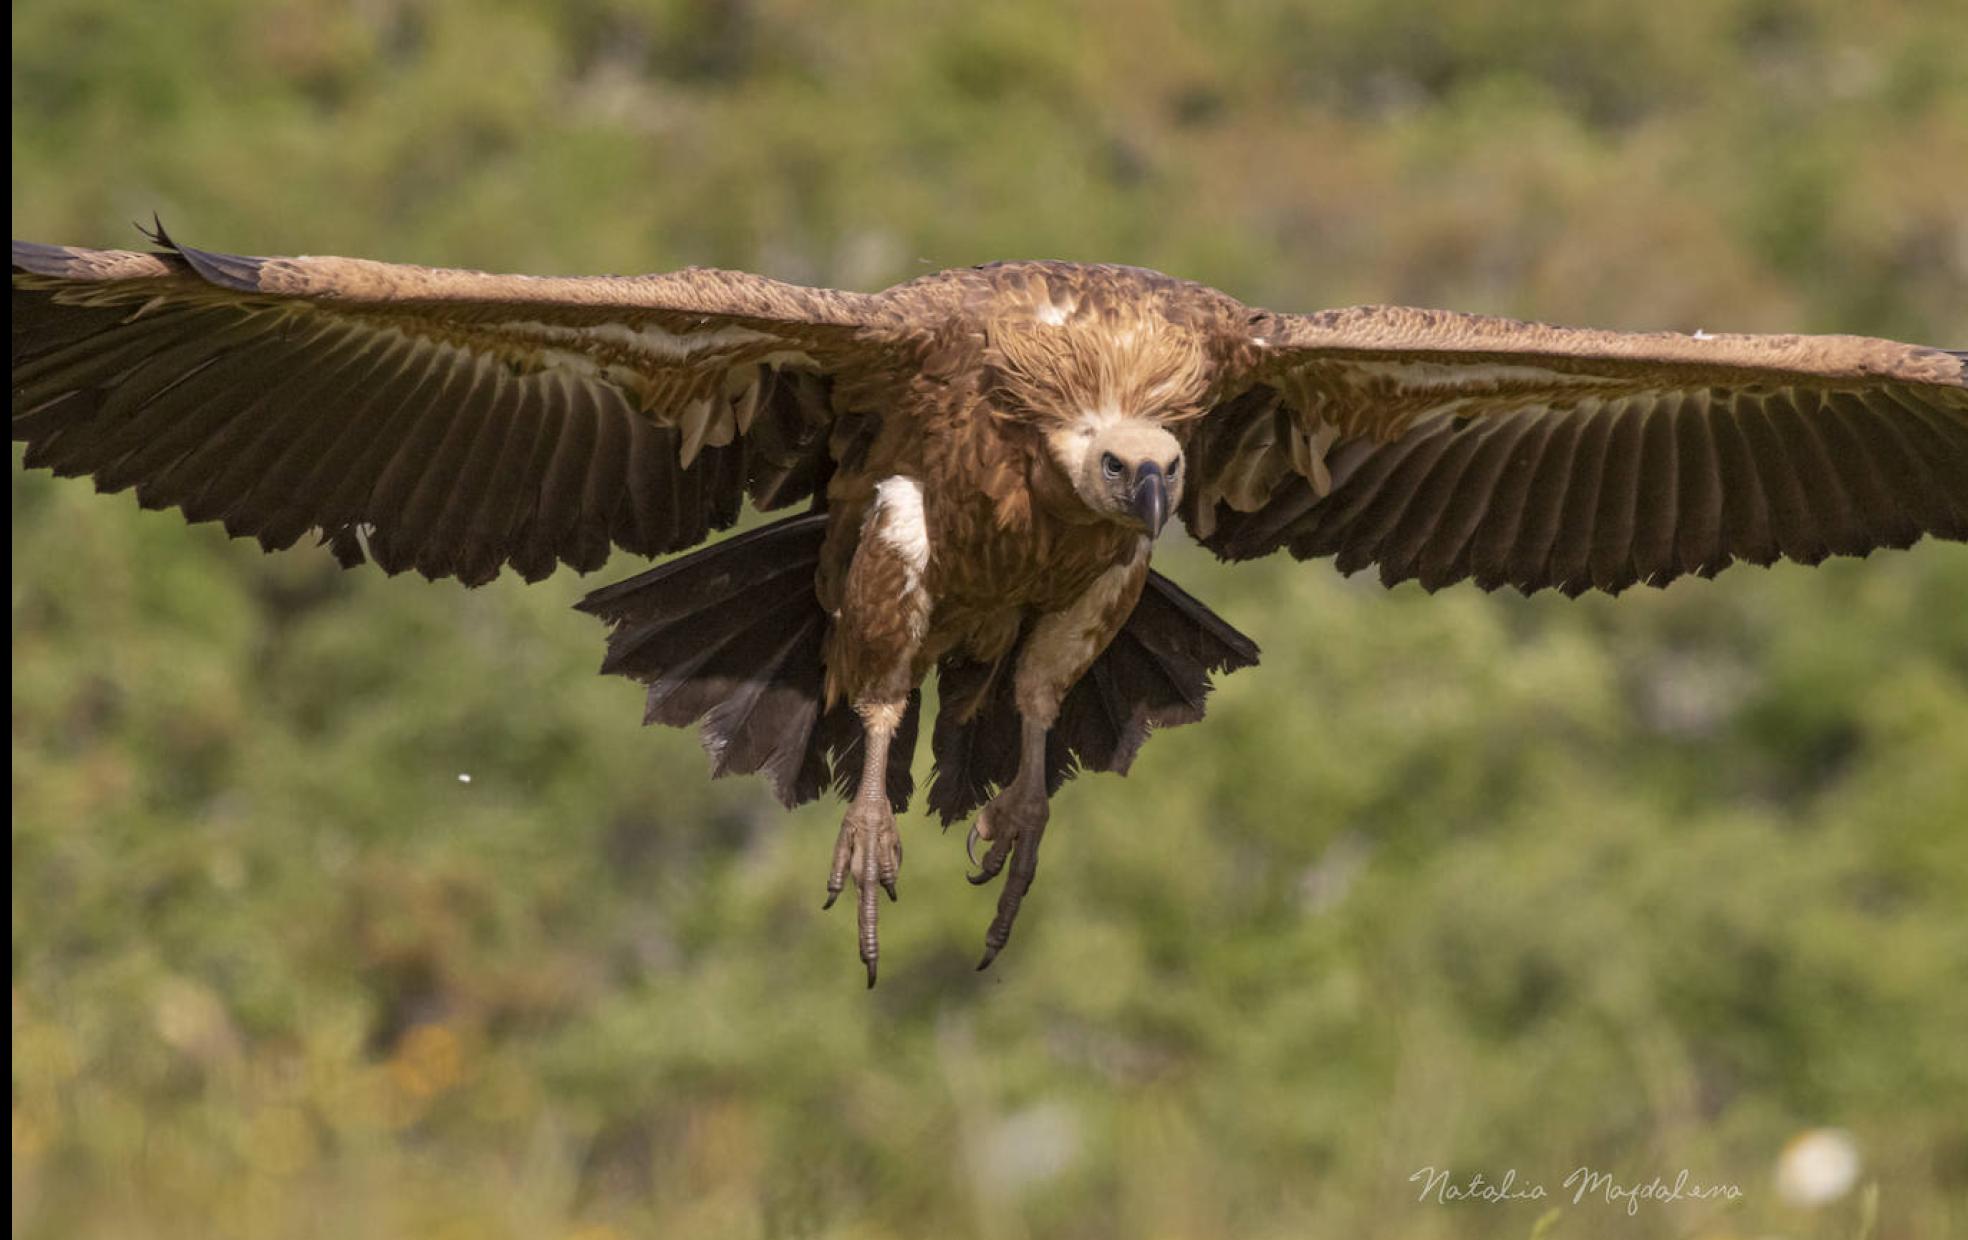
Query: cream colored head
[1127,469]
[1105,388]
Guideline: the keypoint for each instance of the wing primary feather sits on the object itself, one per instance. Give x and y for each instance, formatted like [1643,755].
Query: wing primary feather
[227,384]
[301,480]
[354,476]
[446,472]
[266,424]
[652,463]
[1748,529]
[1658,492]
[457,529]
[1567,477]
[1698,536]
[1610,528]
[234,424]
[168,427]
[1944,444]
[276,515]
[521,532]
[1792,520]
[138,410]
[1877,512]
[100,437]
[509,526]
[1326,523]
[1904,455]
[394,539]
[685,498]
[1570,561]
[1448,556]
[1419,521]
[1824,482]
[605,493]
[1360,542]
[1248,535]
[557,518]
[1493,547]
[110,353]
[100,440]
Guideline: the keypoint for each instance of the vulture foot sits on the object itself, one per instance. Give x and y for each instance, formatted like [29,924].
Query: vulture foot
[870,851]
[1014,823]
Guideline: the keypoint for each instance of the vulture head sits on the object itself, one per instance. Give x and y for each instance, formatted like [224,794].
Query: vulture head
[1128,470]
[1106,387]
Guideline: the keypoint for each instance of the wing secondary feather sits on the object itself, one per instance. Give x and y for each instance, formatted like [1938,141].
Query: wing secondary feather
[452,422]
[1445,447]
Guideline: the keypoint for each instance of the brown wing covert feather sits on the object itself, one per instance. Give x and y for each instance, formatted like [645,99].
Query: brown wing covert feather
[1451,447]
[447,421]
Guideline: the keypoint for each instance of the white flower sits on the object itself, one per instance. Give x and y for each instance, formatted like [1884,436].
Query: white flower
[1817,1167]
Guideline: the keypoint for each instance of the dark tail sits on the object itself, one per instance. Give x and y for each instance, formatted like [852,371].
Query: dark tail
[731,635]
[1155,674]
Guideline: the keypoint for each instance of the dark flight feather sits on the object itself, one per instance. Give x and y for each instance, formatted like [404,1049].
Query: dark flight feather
[1156,673]
[460,423]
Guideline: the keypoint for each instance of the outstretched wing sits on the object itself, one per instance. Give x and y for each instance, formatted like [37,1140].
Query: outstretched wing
[1447,446]
[447,421]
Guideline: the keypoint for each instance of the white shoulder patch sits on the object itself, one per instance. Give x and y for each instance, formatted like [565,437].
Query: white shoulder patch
[897,519]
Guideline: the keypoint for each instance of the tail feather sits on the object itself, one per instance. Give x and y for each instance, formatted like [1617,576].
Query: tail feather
[766,708]
[730,636]
[645,647]
[686,584]
[1154,674]
[975,742]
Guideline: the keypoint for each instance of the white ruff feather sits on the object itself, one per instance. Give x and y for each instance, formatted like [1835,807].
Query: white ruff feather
[898,520]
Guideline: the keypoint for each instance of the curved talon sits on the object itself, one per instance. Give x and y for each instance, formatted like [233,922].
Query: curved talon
[1021,832]
[864,882]
[868,851]
[890,869]
[837,869]
[994,859]
[970,844]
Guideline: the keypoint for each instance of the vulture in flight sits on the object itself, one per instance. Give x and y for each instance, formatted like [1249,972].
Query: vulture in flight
[980,461]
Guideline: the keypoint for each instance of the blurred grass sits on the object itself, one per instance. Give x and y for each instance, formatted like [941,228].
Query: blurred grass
[1484,883]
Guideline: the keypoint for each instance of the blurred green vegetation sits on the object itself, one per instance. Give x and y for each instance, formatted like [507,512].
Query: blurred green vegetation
[1466,882]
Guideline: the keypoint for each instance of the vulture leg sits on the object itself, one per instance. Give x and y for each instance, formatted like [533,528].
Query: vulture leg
[879,621]
[868,847]
[1014,822]
[1060,648]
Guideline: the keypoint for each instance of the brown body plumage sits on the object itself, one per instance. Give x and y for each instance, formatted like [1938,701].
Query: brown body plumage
[986,457]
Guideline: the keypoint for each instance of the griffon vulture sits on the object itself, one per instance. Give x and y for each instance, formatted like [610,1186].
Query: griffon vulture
[983,459]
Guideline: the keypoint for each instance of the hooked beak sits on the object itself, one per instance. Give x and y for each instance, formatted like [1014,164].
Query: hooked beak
[1151,498]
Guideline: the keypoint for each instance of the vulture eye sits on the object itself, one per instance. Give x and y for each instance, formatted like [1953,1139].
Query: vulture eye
[1175,467]
[1110,465]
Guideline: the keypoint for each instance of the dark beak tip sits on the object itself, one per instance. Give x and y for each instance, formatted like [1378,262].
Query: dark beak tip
[1151,500]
